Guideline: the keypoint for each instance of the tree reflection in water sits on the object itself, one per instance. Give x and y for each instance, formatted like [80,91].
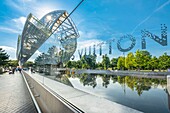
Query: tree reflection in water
[138,84]
[88,79]
[106,80]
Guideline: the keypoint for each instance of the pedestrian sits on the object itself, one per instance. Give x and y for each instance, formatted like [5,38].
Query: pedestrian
[19,69]
[13,70]
[32,70]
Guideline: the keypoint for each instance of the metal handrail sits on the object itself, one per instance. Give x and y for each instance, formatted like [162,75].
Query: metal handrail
[32,97]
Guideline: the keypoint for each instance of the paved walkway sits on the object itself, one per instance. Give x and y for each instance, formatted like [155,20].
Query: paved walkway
[14,96]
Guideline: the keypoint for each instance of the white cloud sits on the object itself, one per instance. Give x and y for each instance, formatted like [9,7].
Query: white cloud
[10,51]
[19,22]
[79,20]
[35,7]
[84,43]
[15,25]
[91,38]
[90,34]
[9,30]
[15,4]
[87,43]
[42,9]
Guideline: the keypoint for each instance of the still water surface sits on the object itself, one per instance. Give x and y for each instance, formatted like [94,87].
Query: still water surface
[145,94]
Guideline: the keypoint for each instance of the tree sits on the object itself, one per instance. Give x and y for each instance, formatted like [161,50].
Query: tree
[99,65]
[105,61]
[40,60]
[146,56]
[69,64]
[142,59]
[3,57]
[130,61]
[113,62]
[73,64]
[28,64]
[88,61]
[153,63]
[106,80]
[88,79]
[121,63]
[13,63]
[78,64]
[164,61]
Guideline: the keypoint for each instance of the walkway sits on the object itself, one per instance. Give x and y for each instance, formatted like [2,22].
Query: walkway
[14,96]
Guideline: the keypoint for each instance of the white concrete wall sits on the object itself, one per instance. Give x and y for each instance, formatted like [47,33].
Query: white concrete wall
[48,102]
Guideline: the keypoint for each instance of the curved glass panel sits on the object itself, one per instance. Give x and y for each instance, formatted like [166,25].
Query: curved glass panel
[36,32]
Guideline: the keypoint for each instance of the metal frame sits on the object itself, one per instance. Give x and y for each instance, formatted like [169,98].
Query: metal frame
[36,32]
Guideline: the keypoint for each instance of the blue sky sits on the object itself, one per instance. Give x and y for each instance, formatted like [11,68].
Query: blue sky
[96,21]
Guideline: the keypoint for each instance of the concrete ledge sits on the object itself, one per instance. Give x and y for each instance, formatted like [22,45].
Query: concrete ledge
[123,73]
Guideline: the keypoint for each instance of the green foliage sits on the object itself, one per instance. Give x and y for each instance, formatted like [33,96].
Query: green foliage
[130,61]
[164,61]
[3,57]
[121,63]
[113,63]
[40,59]
[137,84]
[99,65]
[85,66]
[105,61]
[140,84]
[88,79]
[142,58]
[69,64]
[78,64]
[28,64]
[106,79]
[12,63]
[153,63]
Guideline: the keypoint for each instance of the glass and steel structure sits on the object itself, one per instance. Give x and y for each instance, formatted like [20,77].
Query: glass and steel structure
[36,32]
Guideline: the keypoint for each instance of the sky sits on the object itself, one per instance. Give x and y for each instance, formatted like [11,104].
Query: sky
[96,20]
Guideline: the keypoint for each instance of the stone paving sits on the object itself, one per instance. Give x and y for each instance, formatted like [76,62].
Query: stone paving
[14,96]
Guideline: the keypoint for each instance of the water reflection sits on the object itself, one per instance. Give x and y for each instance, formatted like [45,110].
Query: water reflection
[106,80]
[145,94]
[149,95]
[138,84]
[87,79]
[63,78]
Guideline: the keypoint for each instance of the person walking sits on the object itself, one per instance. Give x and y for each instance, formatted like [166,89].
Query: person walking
[13,70]
[19,69]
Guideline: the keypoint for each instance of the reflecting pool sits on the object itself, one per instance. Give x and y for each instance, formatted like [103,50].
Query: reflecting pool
[145,94]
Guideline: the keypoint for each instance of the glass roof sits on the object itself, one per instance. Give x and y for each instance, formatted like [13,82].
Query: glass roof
[36,32]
